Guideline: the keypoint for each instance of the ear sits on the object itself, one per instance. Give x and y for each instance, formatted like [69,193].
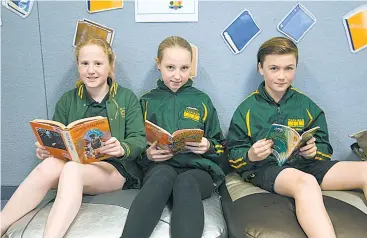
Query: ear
[158,64]
[261,71]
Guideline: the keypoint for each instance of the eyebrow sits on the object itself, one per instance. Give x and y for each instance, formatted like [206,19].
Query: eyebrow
[273,65]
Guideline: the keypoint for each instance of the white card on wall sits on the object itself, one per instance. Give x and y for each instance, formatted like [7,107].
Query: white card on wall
[297,23]
[166,11]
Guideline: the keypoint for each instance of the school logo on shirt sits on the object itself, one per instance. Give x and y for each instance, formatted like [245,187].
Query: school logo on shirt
[296,123]
[122,112]
[192,113]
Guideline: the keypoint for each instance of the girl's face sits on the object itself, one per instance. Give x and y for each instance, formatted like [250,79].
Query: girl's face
[93,66]
[175,67]
[279,72]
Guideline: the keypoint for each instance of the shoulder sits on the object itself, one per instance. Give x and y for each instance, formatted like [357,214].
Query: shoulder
[69,96]
[250,101]
[304,99]
[153,94]
[122,93]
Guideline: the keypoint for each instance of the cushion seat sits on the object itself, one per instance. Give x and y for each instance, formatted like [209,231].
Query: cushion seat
[254,212]
[104,215]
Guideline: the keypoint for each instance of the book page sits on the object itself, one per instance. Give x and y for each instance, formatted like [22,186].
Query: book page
[306,136]
[180,137]
[89,137]
[50,136]
[285,140]
[156,133]
[84,120]
[49,122]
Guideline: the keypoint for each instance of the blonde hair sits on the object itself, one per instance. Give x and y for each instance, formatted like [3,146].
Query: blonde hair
[95,40]
[171,42]
[276,45]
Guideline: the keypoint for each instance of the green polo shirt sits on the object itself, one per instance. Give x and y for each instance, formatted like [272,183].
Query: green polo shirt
[95,108]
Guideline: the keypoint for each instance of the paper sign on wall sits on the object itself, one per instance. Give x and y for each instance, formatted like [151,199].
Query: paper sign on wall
[238,34]
[355,24]
[21,7]
[297,23]
[86,28]
[103,5]
[194,64]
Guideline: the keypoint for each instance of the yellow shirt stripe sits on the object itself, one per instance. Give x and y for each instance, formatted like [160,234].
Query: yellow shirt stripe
[248,123]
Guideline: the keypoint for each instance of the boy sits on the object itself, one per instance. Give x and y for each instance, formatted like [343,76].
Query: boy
[303,177]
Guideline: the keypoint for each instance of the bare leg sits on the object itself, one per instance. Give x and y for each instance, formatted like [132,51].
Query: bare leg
[75,178]
[310,209]
[346,175]
[33,188]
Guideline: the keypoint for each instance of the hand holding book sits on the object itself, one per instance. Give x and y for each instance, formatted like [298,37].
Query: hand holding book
[198,147]
[112,147]
[260,150]
[154,153]
[41,151]
[309,150]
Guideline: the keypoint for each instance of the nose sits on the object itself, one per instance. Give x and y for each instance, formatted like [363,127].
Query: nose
[90,69]
[281,75]
[176,74]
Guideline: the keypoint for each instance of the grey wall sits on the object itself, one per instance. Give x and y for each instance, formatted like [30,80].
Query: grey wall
[38,63]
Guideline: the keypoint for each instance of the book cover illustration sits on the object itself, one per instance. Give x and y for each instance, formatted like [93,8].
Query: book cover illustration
[240,32]
[21,7]
[80,141]
[88,139]
[297,23]
[103,5]
[51,137]
[355,24]
[86,28]
[175,142]
[287,141]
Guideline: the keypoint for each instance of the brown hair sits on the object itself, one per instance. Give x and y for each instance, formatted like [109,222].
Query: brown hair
[276,45]
[95,40]
[170,42]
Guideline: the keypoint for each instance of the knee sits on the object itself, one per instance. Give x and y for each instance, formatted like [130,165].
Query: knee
[307,186]
[184,182]
[50,168]
[163,177]
[364,172]
[71,169]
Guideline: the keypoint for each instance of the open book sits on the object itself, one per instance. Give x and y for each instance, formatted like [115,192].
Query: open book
[174,142]
[79,141]
[361,146]
[287,141]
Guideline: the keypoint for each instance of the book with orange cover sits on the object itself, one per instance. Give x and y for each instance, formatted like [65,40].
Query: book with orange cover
[174,142]
[79,141]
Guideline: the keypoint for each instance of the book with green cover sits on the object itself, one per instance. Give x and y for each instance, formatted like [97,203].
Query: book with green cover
[287,141]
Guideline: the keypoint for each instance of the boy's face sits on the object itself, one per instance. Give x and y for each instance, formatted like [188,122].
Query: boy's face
[175,67]
[93,66]
[279,72]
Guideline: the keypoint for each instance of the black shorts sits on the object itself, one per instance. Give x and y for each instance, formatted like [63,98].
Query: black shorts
[265,176]
[118,165]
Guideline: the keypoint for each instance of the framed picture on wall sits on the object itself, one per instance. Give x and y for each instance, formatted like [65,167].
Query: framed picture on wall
[166,11]
[297,23]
